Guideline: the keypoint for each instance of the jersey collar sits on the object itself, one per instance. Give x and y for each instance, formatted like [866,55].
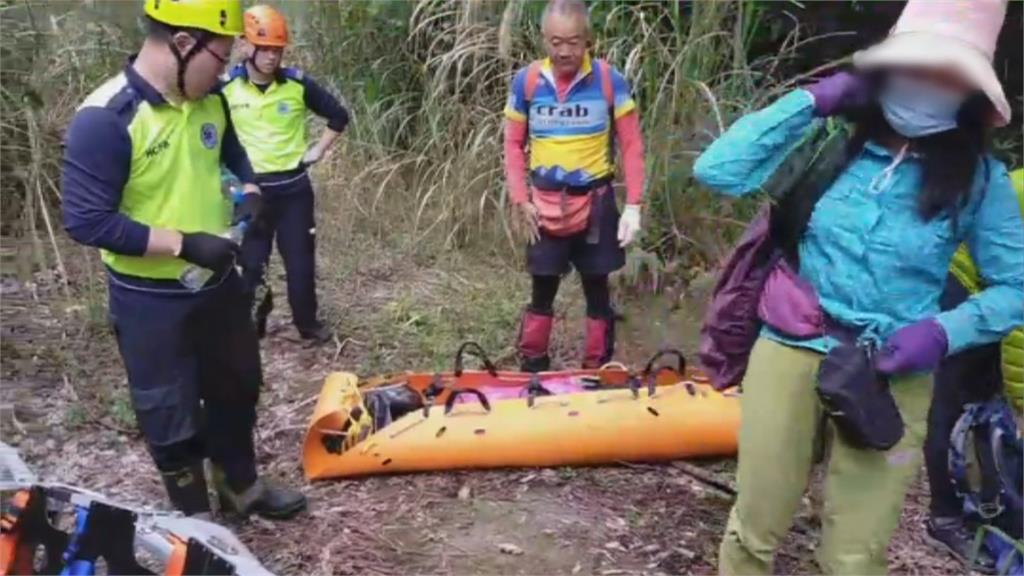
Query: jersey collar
[242,71]
[586,68]
[141,86]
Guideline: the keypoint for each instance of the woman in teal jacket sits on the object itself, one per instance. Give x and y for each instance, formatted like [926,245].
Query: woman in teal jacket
[876,252]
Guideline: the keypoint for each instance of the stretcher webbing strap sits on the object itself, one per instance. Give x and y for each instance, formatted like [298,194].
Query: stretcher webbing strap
[478,351]
[535,389]
[201,560]
[359,422]
[456,392]
[25,528]
[680,367]
[109,533]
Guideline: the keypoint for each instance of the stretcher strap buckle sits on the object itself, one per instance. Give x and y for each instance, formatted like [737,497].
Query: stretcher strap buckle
[535,389]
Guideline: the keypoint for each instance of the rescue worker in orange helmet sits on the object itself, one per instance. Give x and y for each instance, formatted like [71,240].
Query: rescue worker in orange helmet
[269,103]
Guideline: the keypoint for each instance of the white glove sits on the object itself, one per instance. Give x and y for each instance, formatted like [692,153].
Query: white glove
[312,156]
[629,224]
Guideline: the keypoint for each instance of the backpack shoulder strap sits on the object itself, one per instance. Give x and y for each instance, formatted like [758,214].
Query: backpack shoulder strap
[605,73]
[532,78]
[992,435]
[530,87]
[807,172]
[1007,455]
[958,455]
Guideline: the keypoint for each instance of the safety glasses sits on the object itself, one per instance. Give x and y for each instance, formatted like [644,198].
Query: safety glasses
[222,59]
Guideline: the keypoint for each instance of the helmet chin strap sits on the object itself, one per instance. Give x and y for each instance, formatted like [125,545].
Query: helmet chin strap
[252,60]
[183,60]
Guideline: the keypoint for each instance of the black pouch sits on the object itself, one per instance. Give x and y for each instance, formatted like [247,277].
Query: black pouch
[389,403]
[857,398]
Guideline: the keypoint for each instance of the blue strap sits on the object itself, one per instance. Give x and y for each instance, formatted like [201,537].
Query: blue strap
[996,418]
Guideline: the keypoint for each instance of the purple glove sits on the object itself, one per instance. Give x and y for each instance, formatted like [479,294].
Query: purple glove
[915,348]
[839,92]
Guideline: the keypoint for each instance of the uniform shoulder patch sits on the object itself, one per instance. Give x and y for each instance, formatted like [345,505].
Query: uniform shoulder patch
[293,74]
[237,72]
[116,96]
[107,95]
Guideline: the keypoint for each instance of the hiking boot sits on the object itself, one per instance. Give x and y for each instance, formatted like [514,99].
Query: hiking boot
[534,338]
[950,534]
[186,489]
[599,341]
[262,498]
[318,334]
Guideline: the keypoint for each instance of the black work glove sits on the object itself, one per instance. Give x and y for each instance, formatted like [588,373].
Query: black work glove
[208,250]
[249,209]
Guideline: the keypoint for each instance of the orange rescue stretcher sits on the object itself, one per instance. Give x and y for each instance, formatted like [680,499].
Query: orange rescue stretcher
[492,419]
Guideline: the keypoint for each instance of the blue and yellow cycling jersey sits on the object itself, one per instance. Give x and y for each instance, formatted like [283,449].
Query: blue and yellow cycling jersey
[569,140]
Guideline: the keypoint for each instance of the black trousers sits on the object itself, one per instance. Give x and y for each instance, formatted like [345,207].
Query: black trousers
[288,213]
[194,374]
[595,290]
[970,376]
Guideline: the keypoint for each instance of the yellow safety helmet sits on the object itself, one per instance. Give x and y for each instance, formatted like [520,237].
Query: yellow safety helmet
[222,17]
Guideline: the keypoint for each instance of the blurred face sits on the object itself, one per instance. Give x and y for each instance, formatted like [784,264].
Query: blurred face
[947,80]
[920,102]
[566,41]
[205,65]
[266,59]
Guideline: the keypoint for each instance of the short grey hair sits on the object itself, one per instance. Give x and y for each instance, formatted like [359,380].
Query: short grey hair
[571,8]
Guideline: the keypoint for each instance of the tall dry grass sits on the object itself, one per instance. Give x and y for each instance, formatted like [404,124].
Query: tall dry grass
[51,57]
[427,81]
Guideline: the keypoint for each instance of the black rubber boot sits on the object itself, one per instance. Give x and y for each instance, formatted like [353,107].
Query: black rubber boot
[186,489]
[950,534]
[262,498]
[318,334]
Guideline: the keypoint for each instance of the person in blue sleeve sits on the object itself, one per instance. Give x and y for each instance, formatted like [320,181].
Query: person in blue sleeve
[876,251]
[142,181]
[268,105]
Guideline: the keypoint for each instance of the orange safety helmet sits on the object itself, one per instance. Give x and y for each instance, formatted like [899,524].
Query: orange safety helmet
[265,26]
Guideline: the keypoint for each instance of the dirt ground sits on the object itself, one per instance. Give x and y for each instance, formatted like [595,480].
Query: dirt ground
[64,405]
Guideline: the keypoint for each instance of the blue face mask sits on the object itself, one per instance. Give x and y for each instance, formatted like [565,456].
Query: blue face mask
[916,108]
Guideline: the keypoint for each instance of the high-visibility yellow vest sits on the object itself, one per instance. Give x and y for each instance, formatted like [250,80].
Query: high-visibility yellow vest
[271,123]
[175,176]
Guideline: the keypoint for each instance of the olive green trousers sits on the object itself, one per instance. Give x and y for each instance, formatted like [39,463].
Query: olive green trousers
[782,432]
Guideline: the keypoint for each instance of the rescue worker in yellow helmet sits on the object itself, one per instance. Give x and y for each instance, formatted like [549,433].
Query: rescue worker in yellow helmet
[142,181]
[268,104]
